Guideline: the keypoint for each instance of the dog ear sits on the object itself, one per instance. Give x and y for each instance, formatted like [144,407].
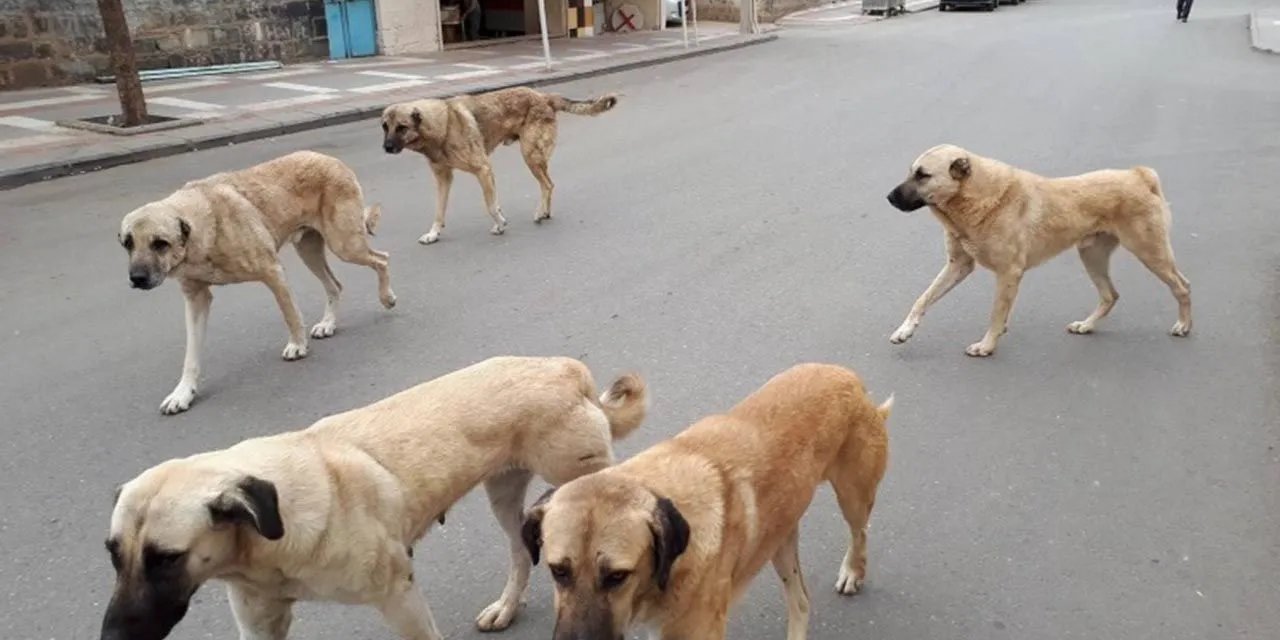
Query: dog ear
[115,497]
[254,502]
[670,539]
[417,118]
[960,168]
[531,530]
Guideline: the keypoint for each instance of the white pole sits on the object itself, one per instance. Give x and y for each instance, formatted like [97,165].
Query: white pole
[684,23]
[694,5]
[546,43]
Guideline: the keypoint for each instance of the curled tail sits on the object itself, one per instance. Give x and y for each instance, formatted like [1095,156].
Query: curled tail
[1152,180]
[593,107]
[885,409]
[625,403]
[372,214]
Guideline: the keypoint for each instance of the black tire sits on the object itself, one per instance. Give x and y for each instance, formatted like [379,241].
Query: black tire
[992,7]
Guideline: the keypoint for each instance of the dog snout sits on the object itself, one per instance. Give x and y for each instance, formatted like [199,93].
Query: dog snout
[905,198]
[391,145]
[140,278]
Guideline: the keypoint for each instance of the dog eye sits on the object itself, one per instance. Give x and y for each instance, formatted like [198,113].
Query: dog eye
[113,548]
[921,175]
[401,128]
[561,574]
[384,126]
[128,242]
[614,579]
[160,561]
[159,245]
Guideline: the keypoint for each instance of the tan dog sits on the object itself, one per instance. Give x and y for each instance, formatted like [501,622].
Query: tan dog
[462,132]
[1009,220]
[672,537]
[332,512]
[229,228]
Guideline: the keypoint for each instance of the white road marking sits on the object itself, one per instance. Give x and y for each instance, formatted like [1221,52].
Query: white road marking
[30,124]
[290,102]
[587,54]
[272,75]
[391,74]
[391,86]
[179,86]
[31,141]
[479,73]
[194,105]
[289,86]
[47,102]
[379,63]
[527,65]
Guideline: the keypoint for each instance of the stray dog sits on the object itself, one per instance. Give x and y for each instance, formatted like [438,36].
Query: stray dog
[1009,220]
[672,537]
[462,132]
[229,228]
[332,512]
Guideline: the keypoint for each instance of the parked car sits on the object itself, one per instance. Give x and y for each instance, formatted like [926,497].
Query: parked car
[986,5]
[672,10]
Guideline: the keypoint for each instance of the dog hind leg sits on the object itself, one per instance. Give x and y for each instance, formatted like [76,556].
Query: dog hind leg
[1096,256]
[1150,244]
[310,247]
[506,498]
[537,147]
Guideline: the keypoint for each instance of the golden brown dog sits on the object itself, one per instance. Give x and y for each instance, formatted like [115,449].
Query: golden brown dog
[462,132]
[672,537]
[229,228]
[1009,220]
[332,512]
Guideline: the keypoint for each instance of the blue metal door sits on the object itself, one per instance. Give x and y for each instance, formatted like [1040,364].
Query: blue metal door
[352,28]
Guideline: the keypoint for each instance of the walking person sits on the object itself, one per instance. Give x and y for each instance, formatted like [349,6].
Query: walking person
[471,19]
[1184,9]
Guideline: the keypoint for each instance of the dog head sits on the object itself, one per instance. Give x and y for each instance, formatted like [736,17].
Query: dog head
[408,125]
[155,235]
[936,176]
[174,527]
[610,544]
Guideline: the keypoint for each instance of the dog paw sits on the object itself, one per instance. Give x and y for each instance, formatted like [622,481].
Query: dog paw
[901,335]
[1080,328]
[324,329]
[1181,329]
[430,237]
[848,584]
[497,616]
[540,218]
[388,300]
[499,228]
[294,351]
[980,350]
[178,401]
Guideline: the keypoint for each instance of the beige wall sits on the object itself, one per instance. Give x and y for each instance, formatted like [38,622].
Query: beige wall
[407,27]
[557,18]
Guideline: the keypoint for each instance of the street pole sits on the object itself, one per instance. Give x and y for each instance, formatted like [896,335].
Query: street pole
[684,21]
[546,43]
[125,66]
[747,12]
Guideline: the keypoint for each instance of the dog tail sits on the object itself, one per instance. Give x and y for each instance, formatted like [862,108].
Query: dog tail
[1151,179]
[885,409]
[625,403]
[593,107]
[372,214]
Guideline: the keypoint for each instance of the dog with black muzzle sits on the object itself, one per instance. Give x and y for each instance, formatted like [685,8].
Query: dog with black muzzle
[462,132]
[672,537]
[1010,220]
[229,228]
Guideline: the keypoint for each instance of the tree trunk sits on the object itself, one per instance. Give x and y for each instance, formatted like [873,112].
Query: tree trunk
[123,63]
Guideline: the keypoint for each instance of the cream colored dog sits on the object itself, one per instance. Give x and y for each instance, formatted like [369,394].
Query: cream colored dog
[1009,220]
[332,512]
[671,538]
[229,228]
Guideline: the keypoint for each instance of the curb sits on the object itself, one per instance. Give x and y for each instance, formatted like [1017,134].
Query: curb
[1255,36]
[922,7]
[162,149]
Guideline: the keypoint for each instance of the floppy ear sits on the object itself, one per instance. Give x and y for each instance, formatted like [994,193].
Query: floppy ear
[417,118]
[115,498]
[670,539]
[253,502]
[960,168]
[531,530]
[184,228]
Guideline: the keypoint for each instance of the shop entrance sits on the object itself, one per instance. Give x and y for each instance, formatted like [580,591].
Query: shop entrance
[469,22]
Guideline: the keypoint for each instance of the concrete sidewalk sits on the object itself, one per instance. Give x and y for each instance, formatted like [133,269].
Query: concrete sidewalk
[241,107]
[838,13]
[1264,30]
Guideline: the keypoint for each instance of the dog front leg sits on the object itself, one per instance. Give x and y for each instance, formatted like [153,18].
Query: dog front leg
[444,182]
[407,613]
[198,300]
[1006,291]
[959,266]
[259,618]
[297,347]
[506,498]
[490,188]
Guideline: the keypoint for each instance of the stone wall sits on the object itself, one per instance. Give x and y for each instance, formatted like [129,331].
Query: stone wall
[52,42]
[766,10]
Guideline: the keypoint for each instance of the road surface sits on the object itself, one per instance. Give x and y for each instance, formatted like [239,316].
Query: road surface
[726,222]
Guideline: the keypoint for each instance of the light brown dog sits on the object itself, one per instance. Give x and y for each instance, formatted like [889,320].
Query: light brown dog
[672,537]
[462,132]
[229,228]
[332,512]
[1009,220]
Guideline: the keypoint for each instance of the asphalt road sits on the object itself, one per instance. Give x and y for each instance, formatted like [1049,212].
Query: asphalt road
[726,222]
